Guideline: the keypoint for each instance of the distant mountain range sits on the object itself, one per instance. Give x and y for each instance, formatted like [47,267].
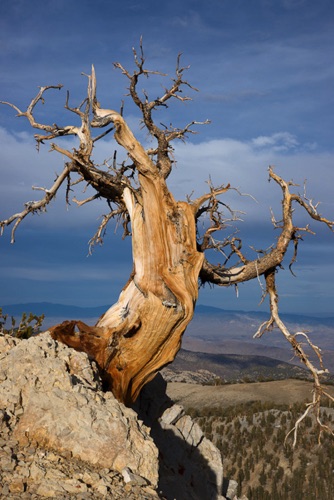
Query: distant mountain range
[262,316]
[212,330]
[61,310]
[54,310]
[217,331]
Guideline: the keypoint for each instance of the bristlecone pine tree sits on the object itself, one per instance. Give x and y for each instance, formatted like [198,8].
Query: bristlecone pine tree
[142,332]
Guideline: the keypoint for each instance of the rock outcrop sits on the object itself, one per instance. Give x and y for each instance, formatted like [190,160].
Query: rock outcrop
[203,377]
[62,436]
[190,465]
[53,399]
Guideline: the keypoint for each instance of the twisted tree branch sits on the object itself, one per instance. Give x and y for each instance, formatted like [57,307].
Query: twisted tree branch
[318,389]
[33,207]
[222,276]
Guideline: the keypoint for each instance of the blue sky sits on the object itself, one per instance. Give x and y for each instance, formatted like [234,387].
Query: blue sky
[265,74]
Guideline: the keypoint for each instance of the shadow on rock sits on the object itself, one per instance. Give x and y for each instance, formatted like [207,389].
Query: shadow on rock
[190,466]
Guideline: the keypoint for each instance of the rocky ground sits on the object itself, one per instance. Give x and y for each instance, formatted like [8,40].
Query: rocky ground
[62,436]
[34,473]
[30,467]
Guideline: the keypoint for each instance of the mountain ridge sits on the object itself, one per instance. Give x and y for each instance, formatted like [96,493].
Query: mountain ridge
[213,330]
[53,309]
[57,309]
[234,368]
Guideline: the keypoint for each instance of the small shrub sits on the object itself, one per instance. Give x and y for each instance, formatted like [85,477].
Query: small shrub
[28,325]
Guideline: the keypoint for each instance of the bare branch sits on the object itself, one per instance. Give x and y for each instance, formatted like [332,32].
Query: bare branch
[167,134]
[289,233]
[214,192]
[177,133]
[52,130]
[318,390]
[36,206]
[29,113]
[123,134]
[108,185]
[98,236]
[12,106]
[87,200]
[103,134]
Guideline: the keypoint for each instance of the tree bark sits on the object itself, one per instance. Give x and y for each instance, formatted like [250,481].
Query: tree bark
[142,332]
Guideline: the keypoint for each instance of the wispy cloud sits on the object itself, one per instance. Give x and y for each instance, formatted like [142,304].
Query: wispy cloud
[242,163]
[280,141]
[194,22]
[73,272]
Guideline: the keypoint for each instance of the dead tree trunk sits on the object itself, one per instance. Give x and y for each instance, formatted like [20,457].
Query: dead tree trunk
[142,331]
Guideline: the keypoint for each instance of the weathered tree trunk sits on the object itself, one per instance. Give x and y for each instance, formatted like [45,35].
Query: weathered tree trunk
[142,331]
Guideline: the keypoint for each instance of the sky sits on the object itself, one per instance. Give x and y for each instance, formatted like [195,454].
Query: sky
[265,74]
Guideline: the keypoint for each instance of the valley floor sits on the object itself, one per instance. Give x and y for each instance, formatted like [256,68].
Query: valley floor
[249,423]
[288,392]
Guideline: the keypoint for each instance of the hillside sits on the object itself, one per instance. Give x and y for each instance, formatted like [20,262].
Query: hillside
[235,367]
[212,329]
[247,421]
[249,424]
[219,331]
[215,330]
[278,392]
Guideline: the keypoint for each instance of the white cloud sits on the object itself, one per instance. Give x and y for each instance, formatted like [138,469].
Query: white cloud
[280,141]
[22,167]
[195,22]
[243,164]
[65,273]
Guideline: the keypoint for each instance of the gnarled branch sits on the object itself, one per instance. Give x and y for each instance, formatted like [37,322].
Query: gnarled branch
[222,276]
[33,207]
[318,389]
[165,135]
